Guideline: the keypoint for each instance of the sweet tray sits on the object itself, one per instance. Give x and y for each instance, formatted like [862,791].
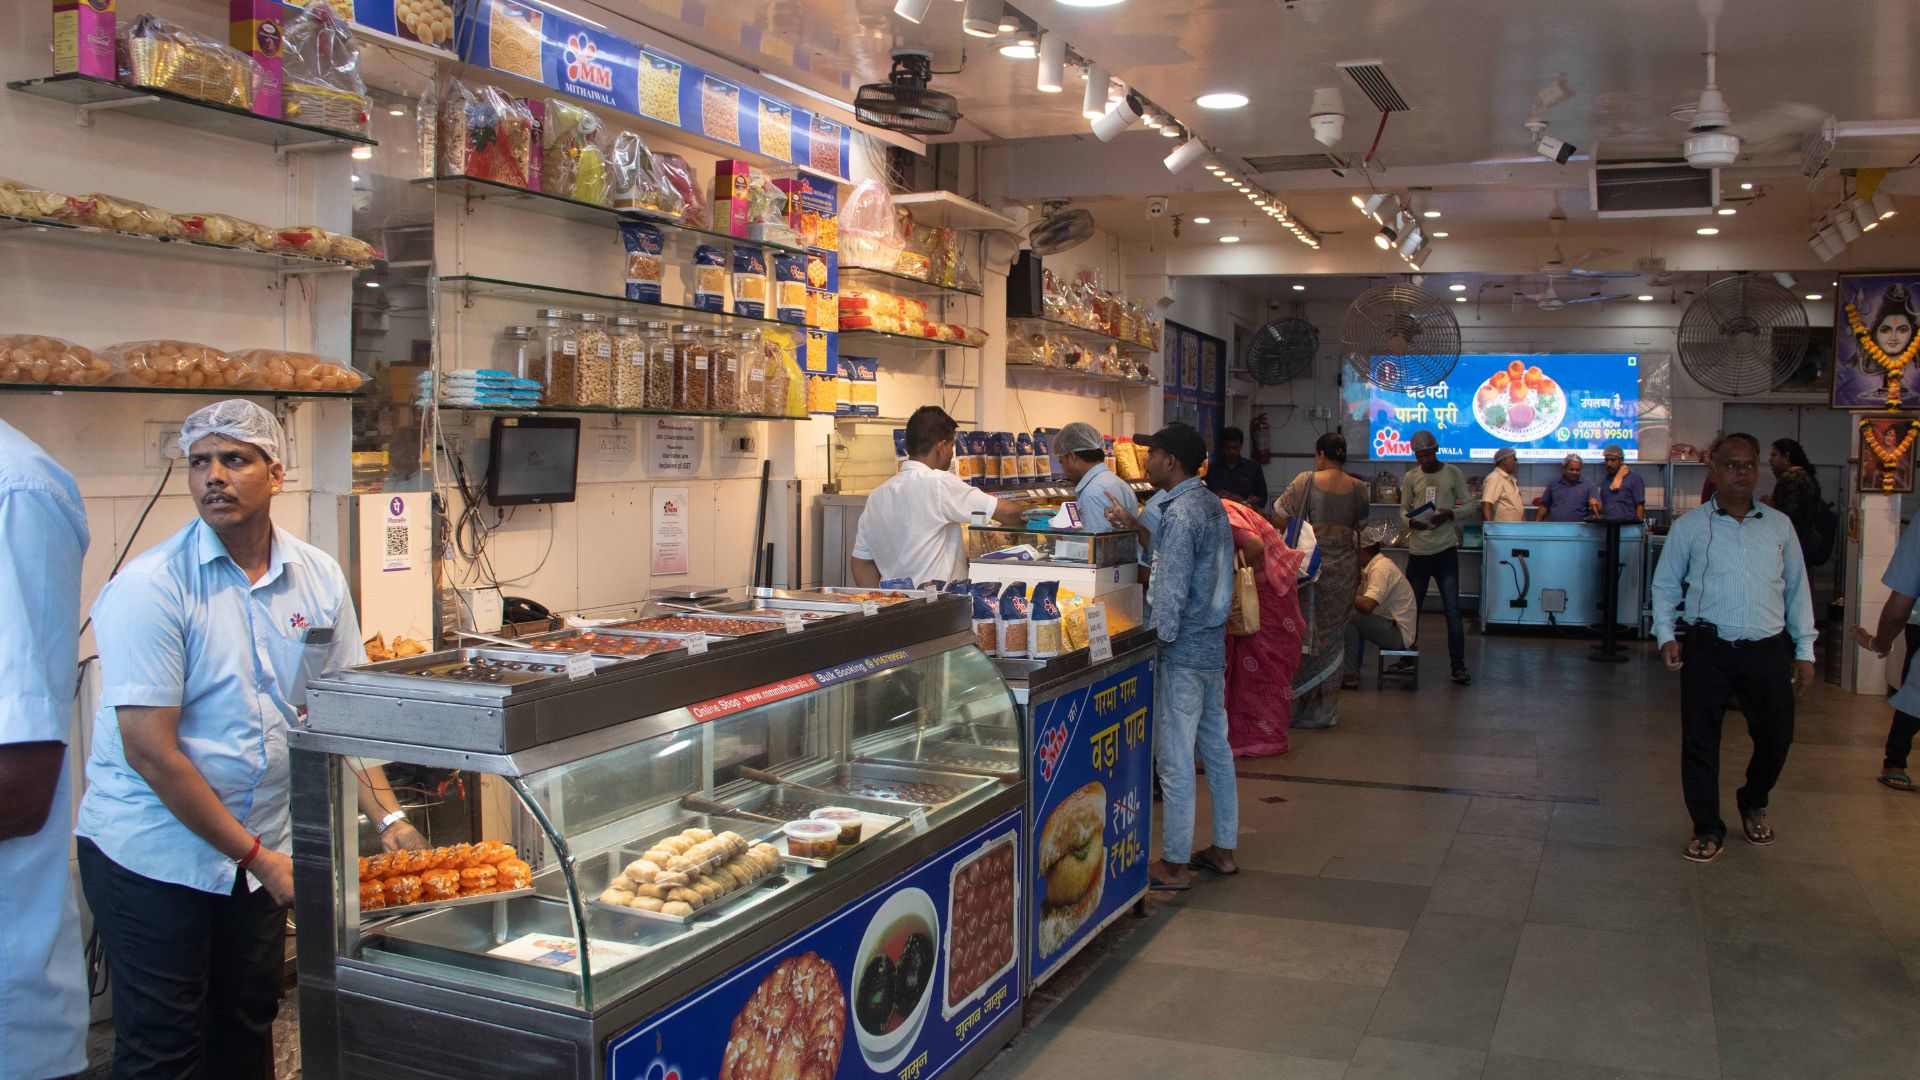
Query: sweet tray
[435,905]
[602,868]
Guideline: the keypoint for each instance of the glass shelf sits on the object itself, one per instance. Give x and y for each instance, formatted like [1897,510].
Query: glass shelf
[474,189]
[894,420]
[1032,324]
[607,410]
[1084,376]
[901,284]
[875,339]
[223,391]
[171,246]
[87,91]
[482,288]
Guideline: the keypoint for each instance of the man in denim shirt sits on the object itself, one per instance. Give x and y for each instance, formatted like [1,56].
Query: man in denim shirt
[1189,593]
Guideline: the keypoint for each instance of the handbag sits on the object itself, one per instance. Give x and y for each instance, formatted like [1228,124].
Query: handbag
[1243,616]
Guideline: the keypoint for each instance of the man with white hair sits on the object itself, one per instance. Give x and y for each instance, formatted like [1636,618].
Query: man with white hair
[1567,497]
[206,643]
[1500,497]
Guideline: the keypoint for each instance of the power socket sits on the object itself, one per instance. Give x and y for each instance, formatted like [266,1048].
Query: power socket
[739,439]
[160,444]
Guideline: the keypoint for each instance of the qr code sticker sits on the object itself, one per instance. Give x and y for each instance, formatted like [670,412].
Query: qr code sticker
[396,541]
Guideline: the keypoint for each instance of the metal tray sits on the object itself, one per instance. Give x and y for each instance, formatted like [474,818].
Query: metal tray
[436,905]
[610,632]
[955,756]
[702,616]
[410,670]
[604,866]
[866,785]
[818,609]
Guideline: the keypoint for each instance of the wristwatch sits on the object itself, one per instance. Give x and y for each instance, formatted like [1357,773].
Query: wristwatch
[388,821]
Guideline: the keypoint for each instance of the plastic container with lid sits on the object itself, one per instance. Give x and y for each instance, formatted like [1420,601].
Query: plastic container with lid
[557,371]
[723,387]
[849,821]
[753,372]
[657,348]
[691,380]
[629,363]
[593,375]
[518,351]
[812,839]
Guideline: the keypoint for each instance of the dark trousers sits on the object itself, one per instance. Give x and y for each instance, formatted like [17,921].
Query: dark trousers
[195,975]
[1762,677]
[1444,567]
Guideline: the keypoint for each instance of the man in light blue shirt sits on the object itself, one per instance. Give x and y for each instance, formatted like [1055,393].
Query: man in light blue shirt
[1902,577]
[1082,454]
[206,644]
[1749,631]
[43,992]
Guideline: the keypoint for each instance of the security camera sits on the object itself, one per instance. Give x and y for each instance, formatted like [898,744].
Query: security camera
[1328,115]
[1558,150]
[1156,206]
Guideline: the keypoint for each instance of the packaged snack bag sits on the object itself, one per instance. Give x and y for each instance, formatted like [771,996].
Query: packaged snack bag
[986,624]
[1014,612]
[1028,464]
[1045,630]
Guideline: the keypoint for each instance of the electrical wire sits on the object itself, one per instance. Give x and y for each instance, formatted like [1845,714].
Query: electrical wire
[1381,130]
[121,561]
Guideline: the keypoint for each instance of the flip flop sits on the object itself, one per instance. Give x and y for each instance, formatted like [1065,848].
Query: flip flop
[1755,828]
[1898,781]
[1206,862]
[1702,849]
[1154,884]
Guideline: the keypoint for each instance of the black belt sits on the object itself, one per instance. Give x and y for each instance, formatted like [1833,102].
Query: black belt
[1754,643]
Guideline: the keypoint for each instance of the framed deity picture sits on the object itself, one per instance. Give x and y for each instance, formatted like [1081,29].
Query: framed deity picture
[1889,434]
[1874,325]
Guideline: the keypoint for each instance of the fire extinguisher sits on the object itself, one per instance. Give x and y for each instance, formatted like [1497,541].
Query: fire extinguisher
[1262,439]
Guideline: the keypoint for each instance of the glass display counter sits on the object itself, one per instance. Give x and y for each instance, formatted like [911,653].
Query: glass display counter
[832,811]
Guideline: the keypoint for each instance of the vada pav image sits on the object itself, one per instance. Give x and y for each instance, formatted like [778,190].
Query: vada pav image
[1073,858]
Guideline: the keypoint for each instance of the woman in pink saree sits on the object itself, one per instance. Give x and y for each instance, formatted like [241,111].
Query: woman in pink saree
[1261,667]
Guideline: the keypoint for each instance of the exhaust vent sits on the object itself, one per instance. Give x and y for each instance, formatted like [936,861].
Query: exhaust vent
[1372,80]
[1277,163]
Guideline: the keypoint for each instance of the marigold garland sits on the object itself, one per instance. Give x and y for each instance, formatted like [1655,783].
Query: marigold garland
[1894,364]
[1889,459]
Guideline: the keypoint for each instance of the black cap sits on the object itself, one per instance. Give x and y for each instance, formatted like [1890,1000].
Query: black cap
[1180,440]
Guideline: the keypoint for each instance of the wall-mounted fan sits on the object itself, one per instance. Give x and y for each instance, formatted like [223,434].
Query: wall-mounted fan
[1060,229]
[1283,349]
[1400,337]
[1743,335]
[903,102]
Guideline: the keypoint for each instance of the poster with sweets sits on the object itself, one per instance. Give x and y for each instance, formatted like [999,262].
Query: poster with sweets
[1874,331]
[429,22]
[1092,788]
[897,985]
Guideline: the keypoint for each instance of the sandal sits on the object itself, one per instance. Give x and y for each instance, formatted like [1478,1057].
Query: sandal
[1204,861]
[1898,781]
[1753,824]
[1702,849]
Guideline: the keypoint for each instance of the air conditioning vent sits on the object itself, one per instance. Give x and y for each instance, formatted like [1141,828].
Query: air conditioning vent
[1276,163]
[1372,80]
[1652,187]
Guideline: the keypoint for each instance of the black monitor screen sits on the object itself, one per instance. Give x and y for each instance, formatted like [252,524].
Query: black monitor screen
[535,460]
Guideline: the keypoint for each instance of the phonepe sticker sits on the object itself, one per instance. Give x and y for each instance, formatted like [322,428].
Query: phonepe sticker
[579,665]
[696,644]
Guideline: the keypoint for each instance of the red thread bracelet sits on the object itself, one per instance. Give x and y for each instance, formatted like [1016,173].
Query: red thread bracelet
[252,853]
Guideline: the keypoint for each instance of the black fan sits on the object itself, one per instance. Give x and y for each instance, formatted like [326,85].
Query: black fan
[1399,337]
[903,102]
[1282,350]
[1744,335]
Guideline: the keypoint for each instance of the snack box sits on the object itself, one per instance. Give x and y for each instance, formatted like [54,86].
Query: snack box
[255,27]
[863,384]
[83,39]
[730,183]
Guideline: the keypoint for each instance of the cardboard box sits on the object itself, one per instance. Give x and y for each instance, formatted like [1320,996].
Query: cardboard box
[863,385]
[255,27]
[730,197]
[83,33]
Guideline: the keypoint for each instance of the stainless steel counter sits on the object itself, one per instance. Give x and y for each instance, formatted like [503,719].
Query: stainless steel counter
[1541,573]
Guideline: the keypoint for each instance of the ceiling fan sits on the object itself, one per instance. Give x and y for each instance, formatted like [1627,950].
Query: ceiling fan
[1557,265]
[1712,138]
[1551,300]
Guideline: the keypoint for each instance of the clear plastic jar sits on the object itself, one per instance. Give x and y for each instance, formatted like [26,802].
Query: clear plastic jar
[779,380]
[753,372]
[690,369]
[723,387]
[629,363]
[657,350]
[518,352]
[559,355]
[593,376]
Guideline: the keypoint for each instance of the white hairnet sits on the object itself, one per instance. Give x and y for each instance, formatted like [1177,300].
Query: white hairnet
[239,420]
[1379,534]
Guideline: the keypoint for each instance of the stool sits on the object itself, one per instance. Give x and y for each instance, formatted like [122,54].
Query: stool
[1411,675]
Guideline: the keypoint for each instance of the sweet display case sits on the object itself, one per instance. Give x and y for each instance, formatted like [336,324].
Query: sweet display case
[813,831]
[1099,566]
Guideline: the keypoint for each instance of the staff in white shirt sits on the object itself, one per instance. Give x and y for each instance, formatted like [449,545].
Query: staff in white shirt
[1500,498]
[910,527]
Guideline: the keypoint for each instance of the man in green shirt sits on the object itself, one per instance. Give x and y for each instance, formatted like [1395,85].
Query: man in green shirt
[1430,498]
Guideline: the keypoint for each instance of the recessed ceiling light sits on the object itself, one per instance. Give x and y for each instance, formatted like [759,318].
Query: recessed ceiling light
[1644,297]
[396,111]
[353,178]
[1815,296]
[1441,235]
[1020,50]
[1229,239]
[1459,299]
[1709,231]
[1089,3]
[1203,221]
[1746,186]
[373,284]
[1726,211]
[1429,213]
[1457,288]
[362,153]
[1220,99]
[1299,288]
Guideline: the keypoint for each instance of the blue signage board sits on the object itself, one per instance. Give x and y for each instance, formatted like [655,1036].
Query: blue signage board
[897,985]
[1092,785]
[547,45]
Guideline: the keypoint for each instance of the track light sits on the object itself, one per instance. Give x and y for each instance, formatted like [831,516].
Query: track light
[1122,116]
[1370,207]
[1412,242]
[1384,238]
[1418,259]
[1849,228]
[1389,209]
[1024,46]
[1171,130]
[912,10]
[981,18]
[1053,63]
[1883,205]
[1785,280]
[1863,211]
[1829,241]
[1094,105]
[1184,155]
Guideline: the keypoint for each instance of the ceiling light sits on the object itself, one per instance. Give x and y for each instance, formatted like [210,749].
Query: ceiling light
[1746,186]
[1459,299]
[1784,279]
[912,10]
[1644,297]
[1094,105]
[1203,221]
[1441,235]
[353,178]
[1456,288]
[1384,238]
[1229,239]
[1007,23]
[1849,229]
[1053,62]
[1413,241]
[1171,131]
[1088,3]
[982,17]
[1299,288]
[1829,245]
[1118,119]
[1184,155]
[1815,296]
[1221,99]
[1389,210]
[1726,211]
[362,153]
[1370,206]
[1360,203]
[1870,226]
[396,111]
[1708,231]
[373,284]
[1022,48]
[1152,120]
[1883,205]
[1863,211]
[1429,213]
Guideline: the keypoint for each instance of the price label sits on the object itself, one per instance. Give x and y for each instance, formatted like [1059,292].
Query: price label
[932,596]
[696,644]
[917,821]
[579,665]
[1099,641]
[793,621]
[869,607]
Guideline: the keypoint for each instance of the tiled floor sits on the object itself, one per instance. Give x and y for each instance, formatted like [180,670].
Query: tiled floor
[1379,932]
